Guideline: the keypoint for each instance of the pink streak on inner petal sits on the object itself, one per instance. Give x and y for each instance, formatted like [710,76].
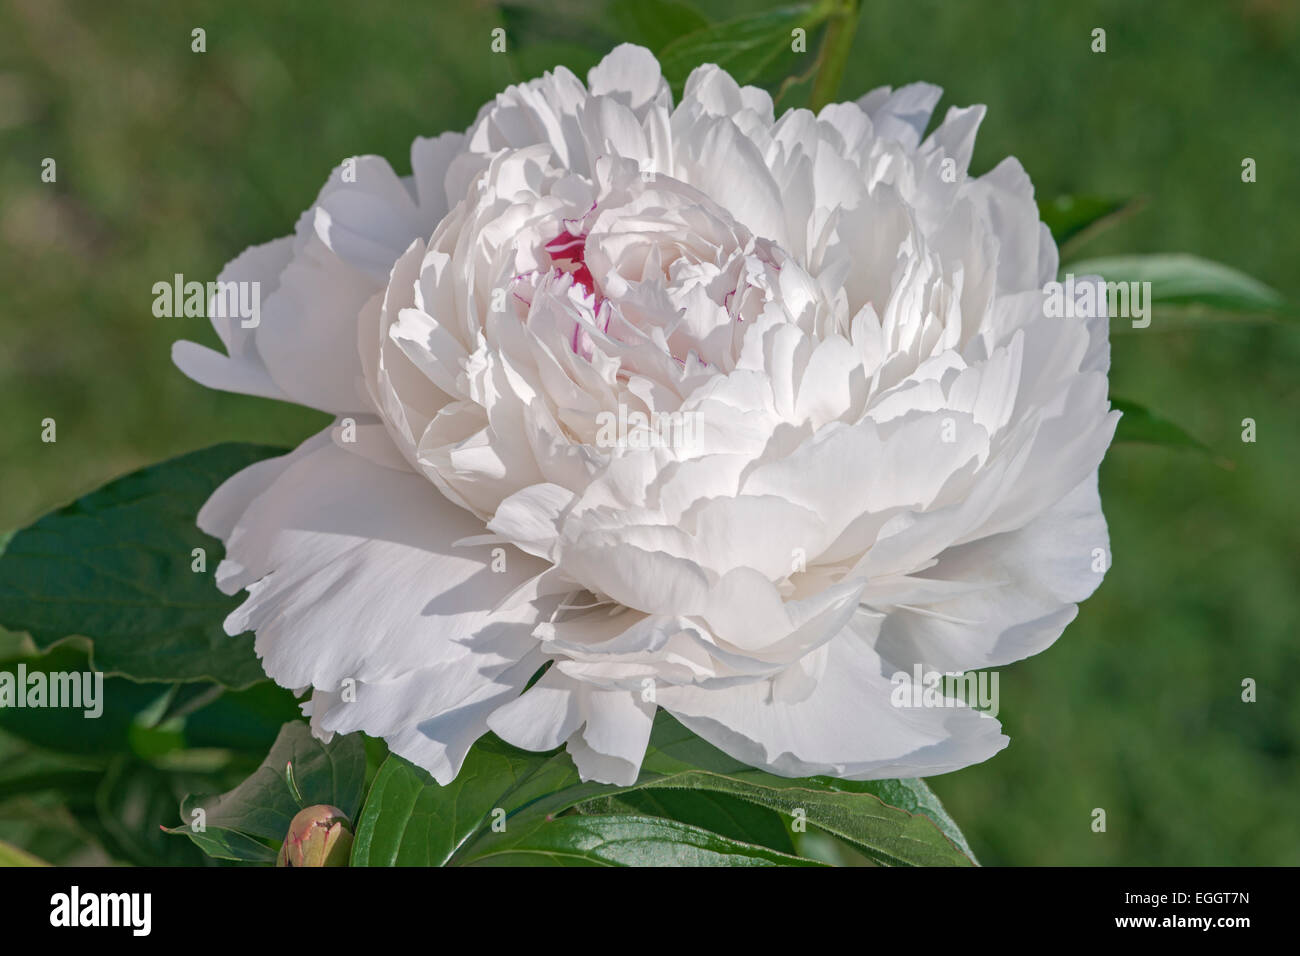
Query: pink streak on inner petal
[571,250]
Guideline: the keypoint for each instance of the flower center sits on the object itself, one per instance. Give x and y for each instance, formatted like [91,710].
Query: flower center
[569,253]
[662,268]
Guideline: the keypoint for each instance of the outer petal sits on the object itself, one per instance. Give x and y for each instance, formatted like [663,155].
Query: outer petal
[846,727]
[430,716]
[313,285]
[242,369]
[631,75]
[901,114]
[606,730]
[1021,591]
[352,573]
[223,509]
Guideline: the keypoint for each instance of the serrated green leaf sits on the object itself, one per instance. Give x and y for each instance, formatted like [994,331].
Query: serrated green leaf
[1189,282]
[249,822]
[410,820]
[115,567]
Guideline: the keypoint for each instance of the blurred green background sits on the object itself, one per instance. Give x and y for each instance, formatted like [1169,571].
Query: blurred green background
[173,161]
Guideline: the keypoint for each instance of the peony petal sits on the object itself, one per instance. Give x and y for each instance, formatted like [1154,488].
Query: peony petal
[611,744]
[1023,588]
[244,370]
[430,716]
[629,74]
[847,727]
[903,114]
[351,572]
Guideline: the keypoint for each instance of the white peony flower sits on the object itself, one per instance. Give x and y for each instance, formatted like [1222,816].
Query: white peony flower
[882,453]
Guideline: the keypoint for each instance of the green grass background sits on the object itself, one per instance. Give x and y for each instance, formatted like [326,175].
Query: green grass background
[171,161]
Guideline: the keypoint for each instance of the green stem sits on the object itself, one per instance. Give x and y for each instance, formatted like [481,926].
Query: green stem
[834,53]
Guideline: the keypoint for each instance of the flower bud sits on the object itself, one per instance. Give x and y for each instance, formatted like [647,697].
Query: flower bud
[318,836]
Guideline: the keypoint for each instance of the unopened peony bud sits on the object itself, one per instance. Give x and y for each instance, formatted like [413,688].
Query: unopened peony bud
[318,836]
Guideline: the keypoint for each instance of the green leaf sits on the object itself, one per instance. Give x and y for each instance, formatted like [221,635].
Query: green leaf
[123,773]
[548,22]
[1074,220]
[45,799]
[68,729]
[410,820]
[576,33]
[134,800]
[12,856]
[247,720]
[52,830]
[249,822]
[1139,424]
[1190,282]
[716,812]
[28,771]
[745,46]
[655,23]
[836,46]
[181,720]
[625,840]
[115,567]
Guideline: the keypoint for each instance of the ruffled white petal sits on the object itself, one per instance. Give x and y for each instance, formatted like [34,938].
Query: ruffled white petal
[848,726]
[351,572]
